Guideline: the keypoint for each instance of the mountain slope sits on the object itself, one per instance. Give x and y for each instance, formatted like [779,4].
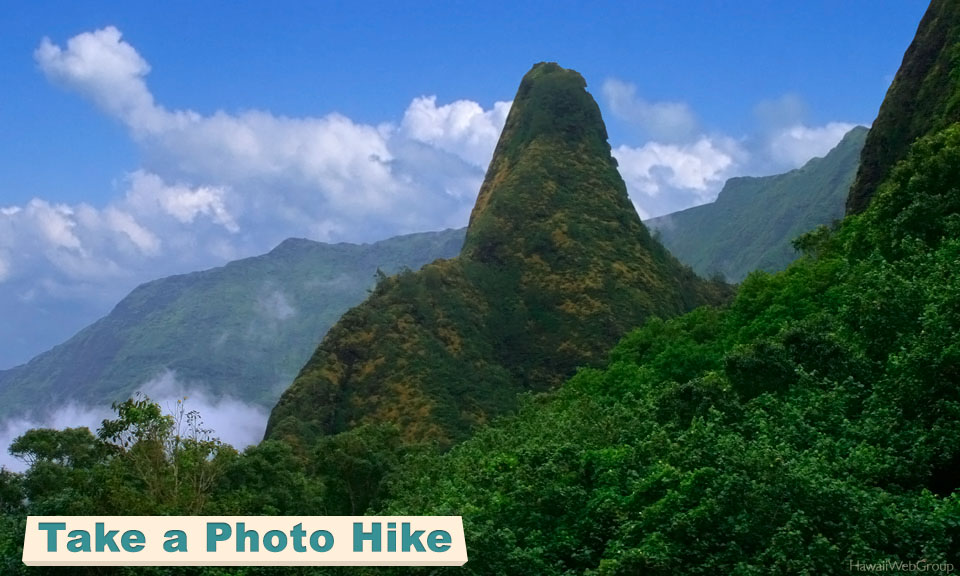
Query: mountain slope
[243,329]
[751,224]
[555,267]
[924,97]
[811,427]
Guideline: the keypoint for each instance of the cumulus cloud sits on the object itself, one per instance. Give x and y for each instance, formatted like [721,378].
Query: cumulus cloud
[462,127]
[106,69]
[663,176]
[661,121]
[785,139]
[215,187]
[681,166]
[148,192]
[329,167]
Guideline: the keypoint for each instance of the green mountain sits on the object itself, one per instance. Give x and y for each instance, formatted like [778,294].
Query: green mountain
[556,266]
[923,98]
[243,329]
[753,221]
[811,427]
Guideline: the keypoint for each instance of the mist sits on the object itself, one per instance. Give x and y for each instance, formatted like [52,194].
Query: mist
[233,421]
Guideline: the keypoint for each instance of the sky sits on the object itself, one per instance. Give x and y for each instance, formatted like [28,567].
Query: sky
[143,139]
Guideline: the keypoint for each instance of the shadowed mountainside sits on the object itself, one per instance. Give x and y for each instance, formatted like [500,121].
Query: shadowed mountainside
[924,97]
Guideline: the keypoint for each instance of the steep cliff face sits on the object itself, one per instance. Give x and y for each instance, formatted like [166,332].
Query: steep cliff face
[556,266]
[923,98]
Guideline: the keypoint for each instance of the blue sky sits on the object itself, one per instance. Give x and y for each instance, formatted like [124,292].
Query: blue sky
[145,139]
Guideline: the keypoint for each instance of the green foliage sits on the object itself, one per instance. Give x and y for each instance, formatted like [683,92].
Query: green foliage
[241,330]
[753,221]
[351,466]
[813,423]
[268,479]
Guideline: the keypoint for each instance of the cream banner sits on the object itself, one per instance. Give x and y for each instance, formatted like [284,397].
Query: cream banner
[244,541]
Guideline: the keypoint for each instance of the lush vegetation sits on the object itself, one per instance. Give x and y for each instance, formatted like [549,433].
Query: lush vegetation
[556,267]
[814,422]
[753,221]
[244,329]
[810,425]
[923,98]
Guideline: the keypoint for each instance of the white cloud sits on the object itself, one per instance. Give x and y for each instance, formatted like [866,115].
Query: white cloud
[662,121]
[55,223]
[665,177]
[795,145]
[327,173]
[148,191]
[106,69]
[67,416]
[125,223]
[235,422]
[785,139]
[462,127]
[683,168]
[216,187]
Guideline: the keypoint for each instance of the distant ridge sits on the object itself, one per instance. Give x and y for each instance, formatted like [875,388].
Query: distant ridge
[751,224]
[242,330]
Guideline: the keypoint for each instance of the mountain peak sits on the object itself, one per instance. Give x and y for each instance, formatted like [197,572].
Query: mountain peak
[552,102]
[556,266]
[551,174]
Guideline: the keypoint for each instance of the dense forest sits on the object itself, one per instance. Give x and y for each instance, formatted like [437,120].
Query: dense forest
[811,423]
